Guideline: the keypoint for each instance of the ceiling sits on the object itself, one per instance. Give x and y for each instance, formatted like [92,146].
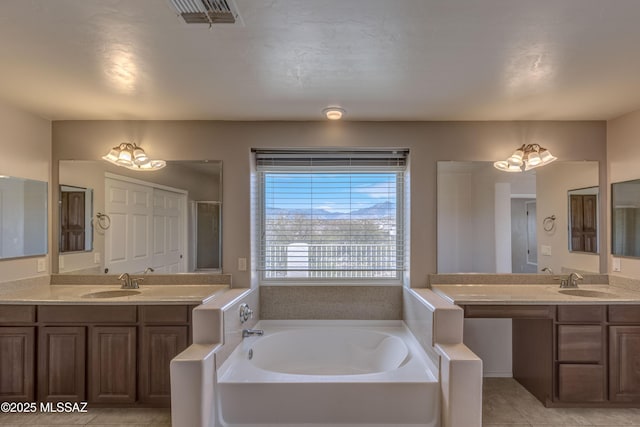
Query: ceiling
[378,59]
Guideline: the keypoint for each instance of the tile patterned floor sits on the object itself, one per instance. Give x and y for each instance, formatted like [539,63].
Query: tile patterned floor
[506,404]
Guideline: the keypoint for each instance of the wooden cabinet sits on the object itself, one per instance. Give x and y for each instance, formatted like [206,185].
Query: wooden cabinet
[72,221]
[584,222]
[624,373]
[165,333]
[581,383]
[580,374]
[104,354]
[61,363]
[160,344]
[112,364]
[17,349]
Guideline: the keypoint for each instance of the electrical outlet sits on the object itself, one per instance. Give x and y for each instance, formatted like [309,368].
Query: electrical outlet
[242,264]
[545,250]
[616,264]
[42,265]
[96,257]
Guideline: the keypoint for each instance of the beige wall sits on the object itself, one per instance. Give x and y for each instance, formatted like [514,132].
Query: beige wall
[231,142]
[26,143]
[623,159]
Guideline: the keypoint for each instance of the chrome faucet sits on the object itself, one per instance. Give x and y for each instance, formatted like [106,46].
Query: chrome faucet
[571,281]
[126,280]
[250,332]
[129,282]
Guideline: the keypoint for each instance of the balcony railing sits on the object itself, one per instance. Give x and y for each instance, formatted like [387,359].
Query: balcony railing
[331,261]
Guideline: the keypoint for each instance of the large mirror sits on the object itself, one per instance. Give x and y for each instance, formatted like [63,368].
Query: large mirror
[165,221]
[625,218]
[23,217]
[490,221]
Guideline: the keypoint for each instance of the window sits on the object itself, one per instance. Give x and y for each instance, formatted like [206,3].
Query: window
[330,215]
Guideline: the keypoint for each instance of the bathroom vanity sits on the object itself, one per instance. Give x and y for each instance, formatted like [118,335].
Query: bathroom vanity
[568,350]
[61,343]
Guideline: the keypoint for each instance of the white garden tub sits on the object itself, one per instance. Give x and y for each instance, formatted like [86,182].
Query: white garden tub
[338,373]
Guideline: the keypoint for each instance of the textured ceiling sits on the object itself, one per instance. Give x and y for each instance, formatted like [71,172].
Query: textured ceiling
[378,59]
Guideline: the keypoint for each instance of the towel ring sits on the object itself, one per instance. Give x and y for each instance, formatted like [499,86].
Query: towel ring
[104,222]
[549,223]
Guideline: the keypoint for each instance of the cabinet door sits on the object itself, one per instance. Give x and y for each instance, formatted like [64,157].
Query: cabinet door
[61,363]
[160,344]
[17,363]
[624,377]
[112,364]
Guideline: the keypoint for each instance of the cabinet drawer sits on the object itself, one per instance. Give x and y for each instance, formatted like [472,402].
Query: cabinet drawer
[624,313]
[87,314]
[581,383]
[579,343]
[17,314]
[164,314]
[510,311]
[581,313]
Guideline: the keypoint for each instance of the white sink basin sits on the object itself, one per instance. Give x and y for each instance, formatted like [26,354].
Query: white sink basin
[587,293]
[112,293]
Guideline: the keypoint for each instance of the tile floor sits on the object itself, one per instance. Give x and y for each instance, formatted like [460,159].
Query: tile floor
[506,404]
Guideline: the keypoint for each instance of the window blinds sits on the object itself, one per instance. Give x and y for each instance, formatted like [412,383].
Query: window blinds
[330,214]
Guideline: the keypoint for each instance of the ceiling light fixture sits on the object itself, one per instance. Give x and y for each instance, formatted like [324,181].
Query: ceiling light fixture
[525,158]
[132,157]
[334,113]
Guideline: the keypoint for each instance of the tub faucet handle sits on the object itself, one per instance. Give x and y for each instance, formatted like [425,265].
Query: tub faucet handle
[245,313]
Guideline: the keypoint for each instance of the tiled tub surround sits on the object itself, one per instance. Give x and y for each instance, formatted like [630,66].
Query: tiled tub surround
[331,302]
[194,371]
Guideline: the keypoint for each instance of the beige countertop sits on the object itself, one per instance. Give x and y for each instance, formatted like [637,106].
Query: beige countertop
[482,294]
[82,295]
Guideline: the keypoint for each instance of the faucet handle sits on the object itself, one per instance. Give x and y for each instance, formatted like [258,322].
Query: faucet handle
[135,282]
[245,313]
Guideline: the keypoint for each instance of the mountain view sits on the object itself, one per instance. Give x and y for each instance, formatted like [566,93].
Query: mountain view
[381,210]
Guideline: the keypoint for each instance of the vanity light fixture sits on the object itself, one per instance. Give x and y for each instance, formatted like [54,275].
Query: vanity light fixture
[132,157]
[525,158]
[333,113]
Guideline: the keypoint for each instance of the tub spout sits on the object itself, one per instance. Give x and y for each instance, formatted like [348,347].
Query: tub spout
[249,332]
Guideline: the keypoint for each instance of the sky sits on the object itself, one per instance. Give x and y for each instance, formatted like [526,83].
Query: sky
[339,193]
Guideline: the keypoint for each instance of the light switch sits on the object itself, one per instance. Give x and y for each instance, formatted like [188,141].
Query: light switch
[42,265]
[96,258]
[616,264]
[60,263]
[545,250]
[242,264]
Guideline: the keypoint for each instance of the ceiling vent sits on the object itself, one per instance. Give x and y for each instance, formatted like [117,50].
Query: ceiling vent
[207,11]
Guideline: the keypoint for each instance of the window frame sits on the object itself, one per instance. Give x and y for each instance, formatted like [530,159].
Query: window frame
[400,222]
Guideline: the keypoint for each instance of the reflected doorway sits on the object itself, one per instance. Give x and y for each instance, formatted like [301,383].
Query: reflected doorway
[524,245]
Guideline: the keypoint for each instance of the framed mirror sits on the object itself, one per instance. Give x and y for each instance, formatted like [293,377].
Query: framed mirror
[490,221]
[583,219]
[23,217]
[625,218]
[146,221]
